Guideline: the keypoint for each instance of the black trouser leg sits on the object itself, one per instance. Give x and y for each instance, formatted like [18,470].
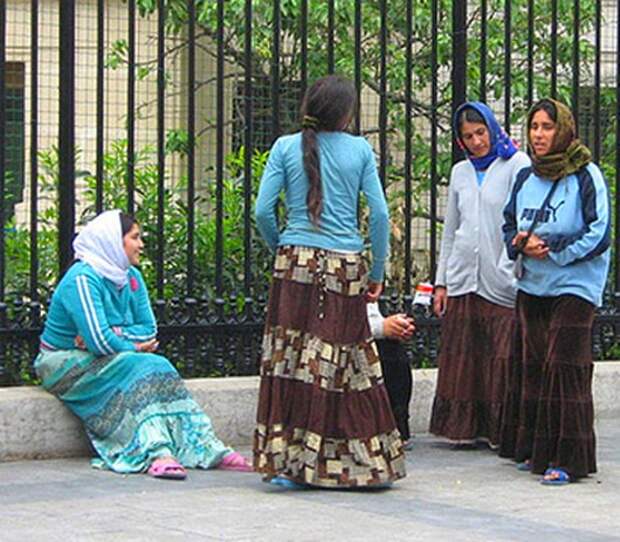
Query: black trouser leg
[398,381]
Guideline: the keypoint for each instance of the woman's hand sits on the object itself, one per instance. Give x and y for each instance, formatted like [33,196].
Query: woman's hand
[79,343]
[147,346]
[399,327]
[535,246]
[440,300]
[374,291]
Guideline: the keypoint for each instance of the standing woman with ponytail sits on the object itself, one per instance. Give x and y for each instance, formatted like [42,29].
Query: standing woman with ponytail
[323,417]
[557,221]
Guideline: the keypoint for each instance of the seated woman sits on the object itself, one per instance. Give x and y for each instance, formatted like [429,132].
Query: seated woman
[97,356]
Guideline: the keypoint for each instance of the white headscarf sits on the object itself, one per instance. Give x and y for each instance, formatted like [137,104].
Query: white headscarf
[100,244]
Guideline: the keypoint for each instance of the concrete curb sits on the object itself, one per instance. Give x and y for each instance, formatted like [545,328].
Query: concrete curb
[35,425]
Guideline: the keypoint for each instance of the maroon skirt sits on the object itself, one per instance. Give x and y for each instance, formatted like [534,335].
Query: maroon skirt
[512,400]
[477,343]
[556,414]
[323,415]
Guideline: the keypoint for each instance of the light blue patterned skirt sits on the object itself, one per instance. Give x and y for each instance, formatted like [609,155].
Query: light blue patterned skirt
[135,408]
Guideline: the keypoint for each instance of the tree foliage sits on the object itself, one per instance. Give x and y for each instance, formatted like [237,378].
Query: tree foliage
[290,69]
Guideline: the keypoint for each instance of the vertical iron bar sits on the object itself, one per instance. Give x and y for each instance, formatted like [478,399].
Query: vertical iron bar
[330,36]
[597,84]
[131,104]
[530,53]
[507,62]
[434,101]
[554,48]
[100,105]
[358,64]
[617,199]
[483,51]
[2,142]
[408,143]
[459,62]
[303,25]
[382,95]
[191,141]
[275,73]
[575,94]
[4,374]
[161,142]
[66,135]
[34,138]
[219,166]
[248,151]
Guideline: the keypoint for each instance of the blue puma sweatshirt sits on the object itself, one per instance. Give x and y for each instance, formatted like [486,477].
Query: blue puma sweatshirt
[576,227]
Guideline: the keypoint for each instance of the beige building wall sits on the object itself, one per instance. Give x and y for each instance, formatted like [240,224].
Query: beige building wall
[18,50]
[116,80]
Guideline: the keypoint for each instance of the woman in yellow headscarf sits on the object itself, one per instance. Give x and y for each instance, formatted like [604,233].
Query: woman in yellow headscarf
[557,224]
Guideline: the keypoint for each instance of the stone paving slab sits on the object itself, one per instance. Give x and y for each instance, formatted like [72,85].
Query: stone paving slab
[448,495]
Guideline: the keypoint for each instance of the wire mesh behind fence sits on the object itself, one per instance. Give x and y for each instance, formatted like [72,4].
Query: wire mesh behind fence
[168,110]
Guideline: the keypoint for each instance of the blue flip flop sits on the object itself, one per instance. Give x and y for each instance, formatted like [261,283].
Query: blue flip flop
[524,466]
[562,479]
[287,483]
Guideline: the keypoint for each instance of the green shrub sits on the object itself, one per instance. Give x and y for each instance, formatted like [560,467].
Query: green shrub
[175,220]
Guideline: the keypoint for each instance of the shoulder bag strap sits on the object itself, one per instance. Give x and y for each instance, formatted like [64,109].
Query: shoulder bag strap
[537,216]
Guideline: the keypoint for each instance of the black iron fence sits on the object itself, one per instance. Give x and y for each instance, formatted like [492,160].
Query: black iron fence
[167,109]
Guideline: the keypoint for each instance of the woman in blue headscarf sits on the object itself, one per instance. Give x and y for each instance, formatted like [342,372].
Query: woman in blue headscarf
[475,287]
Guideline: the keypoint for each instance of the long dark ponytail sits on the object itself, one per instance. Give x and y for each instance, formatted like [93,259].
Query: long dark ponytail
[327,106]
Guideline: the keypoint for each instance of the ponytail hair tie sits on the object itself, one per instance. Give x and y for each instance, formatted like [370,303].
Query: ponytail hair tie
[309,122]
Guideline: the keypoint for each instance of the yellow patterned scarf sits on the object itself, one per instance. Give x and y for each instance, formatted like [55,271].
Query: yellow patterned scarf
[567,154]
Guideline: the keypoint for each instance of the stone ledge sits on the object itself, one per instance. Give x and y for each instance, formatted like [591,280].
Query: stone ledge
[35,425]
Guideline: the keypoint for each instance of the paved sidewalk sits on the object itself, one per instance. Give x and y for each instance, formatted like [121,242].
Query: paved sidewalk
[448,495]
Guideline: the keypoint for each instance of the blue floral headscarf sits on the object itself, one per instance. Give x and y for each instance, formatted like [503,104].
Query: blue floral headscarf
[501,144]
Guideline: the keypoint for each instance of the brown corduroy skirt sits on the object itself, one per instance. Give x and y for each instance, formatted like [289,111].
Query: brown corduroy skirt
[477,343]
[556,414]
[512,400]
[323,415]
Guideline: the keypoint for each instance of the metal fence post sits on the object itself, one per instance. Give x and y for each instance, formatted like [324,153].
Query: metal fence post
[4,376]
[459,62]
[617,202]
[66,135]
[3,119]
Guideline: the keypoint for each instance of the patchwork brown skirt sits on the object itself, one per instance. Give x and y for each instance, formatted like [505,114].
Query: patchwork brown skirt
[323,415]
[477,342]
[556,415]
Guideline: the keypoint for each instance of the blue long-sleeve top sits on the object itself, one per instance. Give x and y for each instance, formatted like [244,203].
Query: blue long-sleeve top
[348,167]
[576,227]
[109,320]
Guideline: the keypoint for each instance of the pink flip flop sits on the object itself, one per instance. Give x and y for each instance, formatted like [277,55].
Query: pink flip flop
[168,470]
[235,461]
